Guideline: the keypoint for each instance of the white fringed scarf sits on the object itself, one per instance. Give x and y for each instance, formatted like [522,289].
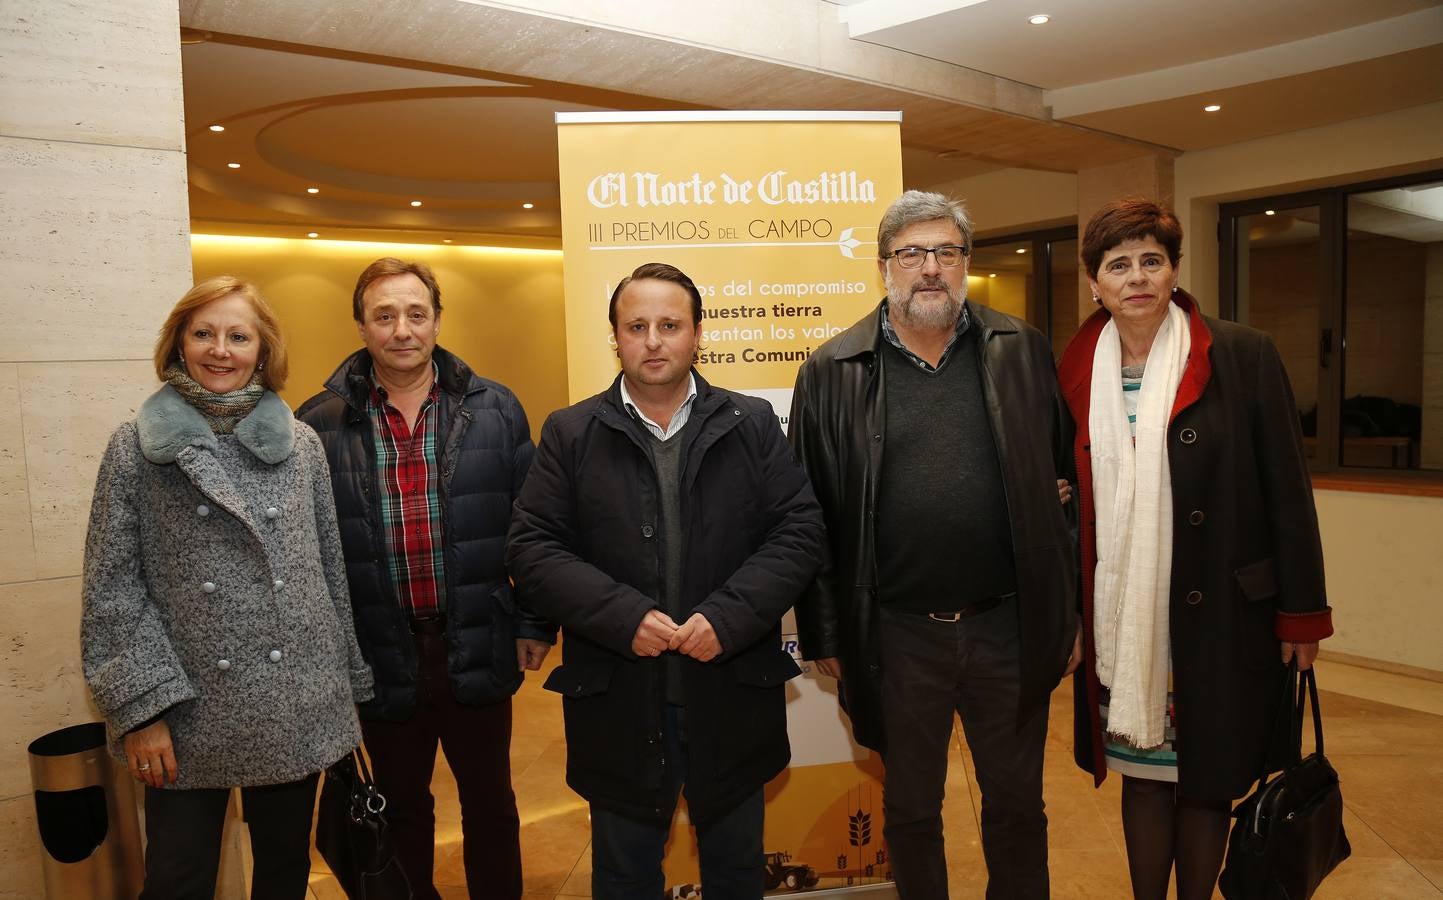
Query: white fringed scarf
[1133,501]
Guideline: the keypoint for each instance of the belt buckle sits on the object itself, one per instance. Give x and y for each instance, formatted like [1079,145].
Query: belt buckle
[950,618]
[427,625]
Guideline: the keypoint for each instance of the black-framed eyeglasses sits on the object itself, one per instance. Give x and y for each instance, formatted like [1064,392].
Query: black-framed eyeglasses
[948,256]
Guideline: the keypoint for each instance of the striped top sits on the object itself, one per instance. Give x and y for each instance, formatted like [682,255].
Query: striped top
[1131,390]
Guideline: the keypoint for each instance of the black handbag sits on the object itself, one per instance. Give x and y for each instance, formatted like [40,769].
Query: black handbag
[351,834]
[1289,831]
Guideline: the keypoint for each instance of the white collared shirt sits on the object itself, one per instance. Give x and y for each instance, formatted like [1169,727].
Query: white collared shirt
[678,418]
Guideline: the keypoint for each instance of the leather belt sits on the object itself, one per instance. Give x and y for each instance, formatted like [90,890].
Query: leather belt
[967,612]
[428,625]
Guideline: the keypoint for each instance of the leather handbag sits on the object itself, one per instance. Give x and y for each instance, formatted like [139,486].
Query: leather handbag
[1289,831]
[351,834]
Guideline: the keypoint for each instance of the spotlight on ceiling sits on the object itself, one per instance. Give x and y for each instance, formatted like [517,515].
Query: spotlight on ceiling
[1039,19]
[217,128]
[1212,107]
[1021,249]
[528,205]
[1270,212]
[313,190]
[313,234]
[232,165]
[415,202]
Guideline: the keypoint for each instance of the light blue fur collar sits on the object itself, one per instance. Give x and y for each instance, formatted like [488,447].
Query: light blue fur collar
[166,424]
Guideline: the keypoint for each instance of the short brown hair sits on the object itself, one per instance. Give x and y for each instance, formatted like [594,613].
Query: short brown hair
[658,272]
[273,363]
[1131,218]
[390,265]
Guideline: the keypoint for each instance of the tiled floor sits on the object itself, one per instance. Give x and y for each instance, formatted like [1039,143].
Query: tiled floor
[1383,734]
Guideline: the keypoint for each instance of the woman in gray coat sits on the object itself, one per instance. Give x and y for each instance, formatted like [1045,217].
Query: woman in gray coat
[216,626]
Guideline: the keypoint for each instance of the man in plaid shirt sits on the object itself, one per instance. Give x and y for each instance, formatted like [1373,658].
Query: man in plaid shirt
[426,458]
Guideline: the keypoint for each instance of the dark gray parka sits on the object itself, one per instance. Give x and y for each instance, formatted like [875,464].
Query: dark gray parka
[584,552]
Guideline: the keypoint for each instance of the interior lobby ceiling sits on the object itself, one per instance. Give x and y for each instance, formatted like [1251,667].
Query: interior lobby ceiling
[345,144]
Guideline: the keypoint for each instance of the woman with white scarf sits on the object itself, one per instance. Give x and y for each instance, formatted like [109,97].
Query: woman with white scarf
[1202,568]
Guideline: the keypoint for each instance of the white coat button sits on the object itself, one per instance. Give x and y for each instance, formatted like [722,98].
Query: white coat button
[275,656]
[202,510]
[273,513]
[278,584]
[222,664]
[208,587]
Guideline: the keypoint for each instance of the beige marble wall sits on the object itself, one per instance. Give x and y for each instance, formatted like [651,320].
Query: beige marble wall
[94,213]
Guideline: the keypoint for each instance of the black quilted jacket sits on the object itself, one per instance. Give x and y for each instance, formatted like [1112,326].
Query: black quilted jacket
[485,452]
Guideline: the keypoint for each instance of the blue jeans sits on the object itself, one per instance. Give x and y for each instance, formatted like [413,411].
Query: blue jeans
[626,854]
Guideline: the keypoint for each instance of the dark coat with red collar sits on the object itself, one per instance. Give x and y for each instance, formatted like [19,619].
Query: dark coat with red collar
[1247,562]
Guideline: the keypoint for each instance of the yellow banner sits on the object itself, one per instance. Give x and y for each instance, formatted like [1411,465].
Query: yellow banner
[774,216]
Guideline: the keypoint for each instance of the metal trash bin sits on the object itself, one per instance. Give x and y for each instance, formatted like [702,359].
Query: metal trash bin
[86,812]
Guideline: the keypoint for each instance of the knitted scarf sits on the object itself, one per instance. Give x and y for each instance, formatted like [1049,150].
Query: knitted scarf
[1133,490]
[223,412]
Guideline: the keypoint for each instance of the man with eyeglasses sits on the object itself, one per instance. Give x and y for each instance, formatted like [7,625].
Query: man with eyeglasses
[935,439]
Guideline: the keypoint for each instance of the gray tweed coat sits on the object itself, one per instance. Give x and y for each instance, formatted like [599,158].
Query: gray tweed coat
[215,593]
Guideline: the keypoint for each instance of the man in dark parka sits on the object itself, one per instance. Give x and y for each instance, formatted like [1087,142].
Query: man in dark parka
[666,527]
[426,458]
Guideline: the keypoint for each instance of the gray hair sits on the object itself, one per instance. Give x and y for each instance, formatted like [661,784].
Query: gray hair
[921,206]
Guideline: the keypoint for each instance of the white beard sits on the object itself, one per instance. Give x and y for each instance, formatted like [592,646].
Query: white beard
[928,315]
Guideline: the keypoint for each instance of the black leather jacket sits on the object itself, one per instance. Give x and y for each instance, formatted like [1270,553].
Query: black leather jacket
[838,428]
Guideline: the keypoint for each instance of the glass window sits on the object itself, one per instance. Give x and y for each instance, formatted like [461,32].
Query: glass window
[1349,283]
[1031,276]
[1279,281]
[1394,349]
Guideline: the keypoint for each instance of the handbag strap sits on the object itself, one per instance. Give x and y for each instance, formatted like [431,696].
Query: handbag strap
[364,771]
[1299,688]
[1286,721]
[1311,681]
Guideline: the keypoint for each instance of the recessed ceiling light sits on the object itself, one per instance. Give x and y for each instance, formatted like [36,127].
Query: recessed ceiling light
[1270,212]
[313,190]
[232,165]
[1021,249]
[313,234]
[445,240]
[217,128]
[415,202]
[1039,19]
[528,205]
[1212,107]
[991,274]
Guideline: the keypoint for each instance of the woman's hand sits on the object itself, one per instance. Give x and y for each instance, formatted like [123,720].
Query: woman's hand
[150,755]
[1306,654]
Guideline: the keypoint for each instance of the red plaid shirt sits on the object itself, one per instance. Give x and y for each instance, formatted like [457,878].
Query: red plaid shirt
[408,476]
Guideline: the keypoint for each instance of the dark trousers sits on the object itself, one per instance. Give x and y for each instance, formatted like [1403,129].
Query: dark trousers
[477,744]
[626,854]
[932,670]
[183,831]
